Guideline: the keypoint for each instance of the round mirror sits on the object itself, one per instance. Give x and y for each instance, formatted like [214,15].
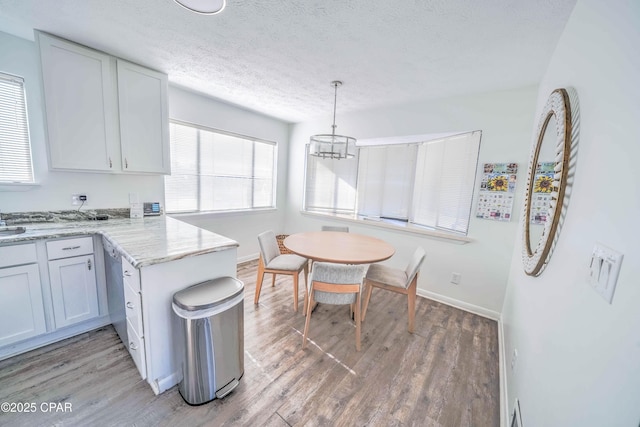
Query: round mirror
[546,181]
[543,182]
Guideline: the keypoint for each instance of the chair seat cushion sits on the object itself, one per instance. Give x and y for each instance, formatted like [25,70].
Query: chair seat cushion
[287,262]
[388,276]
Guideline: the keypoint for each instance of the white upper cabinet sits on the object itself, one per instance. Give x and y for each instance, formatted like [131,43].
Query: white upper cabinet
[103,114]
[80,105]
[144,130]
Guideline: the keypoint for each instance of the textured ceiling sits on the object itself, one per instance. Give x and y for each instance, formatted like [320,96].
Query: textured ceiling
[278,57]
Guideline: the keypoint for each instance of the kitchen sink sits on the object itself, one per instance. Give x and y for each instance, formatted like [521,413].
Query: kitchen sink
[9,231]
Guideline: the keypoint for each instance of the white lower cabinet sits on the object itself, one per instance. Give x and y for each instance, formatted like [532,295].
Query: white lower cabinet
[133,310]
[136,349]
[72,273]
[73,290]
[21,308]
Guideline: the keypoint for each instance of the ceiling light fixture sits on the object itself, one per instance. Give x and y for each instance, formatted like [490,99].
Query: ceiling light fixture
[333,146]
[204,7]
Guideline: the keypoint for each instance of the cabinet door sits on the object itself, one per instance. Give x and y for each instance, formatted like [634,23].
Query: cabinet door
[144,123]
[73,290]
[21,309]
[80,103]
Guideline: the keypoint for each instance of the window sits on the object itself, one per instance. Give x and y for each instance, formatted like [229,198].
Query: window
[213,170]
[385,181]
[427,183]
[445,176]
[330,184]
[15,146]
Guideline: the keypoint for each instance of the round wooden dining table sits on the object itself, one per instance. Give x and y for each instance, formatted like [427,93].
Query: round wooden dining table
[339,247]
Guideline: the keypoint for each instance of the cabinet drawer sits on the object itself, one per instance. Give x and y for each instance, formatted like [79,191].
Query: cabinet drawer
[133,304]
[131,275]
[136,350]
[18,255]
[69,247]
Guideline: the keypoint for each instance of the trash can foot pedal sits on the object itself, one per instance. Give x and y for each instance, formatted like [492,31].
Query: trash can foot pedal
[227,389]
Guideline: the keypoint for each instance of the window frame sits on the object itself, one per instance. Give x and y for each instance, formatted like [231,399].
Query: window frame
[23,139]
[408,225]
[253,140]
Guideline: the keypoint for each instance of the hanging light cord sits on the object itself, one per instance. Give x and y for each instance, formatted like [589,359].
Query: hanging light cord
[335,100]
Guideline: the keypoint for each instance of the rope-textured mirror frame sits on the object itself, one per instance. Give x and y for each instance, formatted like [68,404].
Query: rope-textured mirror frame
[559,106]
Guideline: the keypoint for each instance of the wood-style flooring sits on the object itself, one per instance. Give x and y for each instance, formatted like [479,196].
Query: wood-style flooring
[445,374]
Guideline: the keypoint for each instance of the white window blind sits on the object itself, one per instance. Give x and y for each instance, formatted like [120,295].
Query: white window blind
[385,180]
[15,146]
[445,177]
[218,171]
[330,184]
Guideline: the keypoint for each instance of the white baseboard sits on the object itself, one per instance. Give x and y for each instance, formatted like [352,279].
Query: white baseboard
[504,413]
[248,258]
[163,384]
[51,337]
[471,308]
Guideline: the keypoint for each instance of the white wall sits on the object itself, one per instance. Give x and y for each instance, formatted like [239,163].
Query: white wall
[194,108]
[579,357]
[505,119]
[20,57]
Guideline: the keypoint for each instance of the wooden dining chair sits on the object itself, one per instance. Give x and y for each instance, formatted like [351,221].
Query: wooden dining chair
[335,284]
[272,261]
[344,229]
[395,280]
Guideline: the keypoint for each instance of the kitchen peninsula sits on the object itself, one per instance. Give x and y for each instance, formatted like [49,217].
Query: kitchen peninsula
[160,255]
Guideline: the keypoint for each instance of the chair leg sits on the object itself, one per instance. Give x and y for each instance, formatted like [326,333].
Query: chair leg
[306,322]
[368,288]
[259,280]
[411,297]
[306,287]
[358,322]
[273,280]
[295,291]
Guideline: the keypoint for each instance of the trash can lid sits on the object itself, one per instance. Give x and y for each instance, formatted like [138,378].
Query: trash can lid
[208,294]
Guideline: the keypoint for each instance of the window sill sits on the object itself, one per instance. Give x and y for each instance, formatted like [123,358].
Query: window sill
[17,186]
[221,213]
[395,226]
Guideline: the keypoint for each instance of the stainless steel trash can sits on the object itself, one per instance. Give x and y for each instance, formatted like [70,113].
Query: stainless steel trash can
[209,333]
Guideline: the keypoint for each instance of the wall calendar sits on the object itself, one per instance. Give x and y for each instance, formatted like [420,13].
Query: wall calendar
[497,191]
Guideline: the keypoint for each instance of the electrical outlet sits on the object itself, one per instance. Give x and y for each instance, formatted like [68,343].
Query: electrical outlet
[455,278]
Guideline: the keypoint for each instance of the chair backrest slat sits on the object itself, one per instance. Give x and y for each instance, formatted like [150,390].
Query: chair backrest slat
[414,265]
[339,275]
[268,246]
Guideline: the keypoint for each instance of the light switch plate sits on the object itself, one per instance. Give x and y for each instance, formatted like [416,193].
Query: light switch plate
[604,268]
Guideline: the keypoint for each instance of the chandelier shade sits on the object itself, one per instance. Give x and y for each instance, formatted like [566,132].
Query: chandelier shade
[332,146]
[204,7]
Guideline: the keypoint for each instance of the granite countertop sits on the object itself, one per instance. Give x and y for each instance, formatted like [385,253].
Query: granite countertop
[143,241]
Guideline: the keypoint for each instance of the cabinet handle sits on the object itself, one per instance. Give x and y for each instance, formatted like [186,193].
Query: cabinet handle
[110,164]
[133,346]
[130,305]
[70,248]
[89,264]
[126,163]
[126,273]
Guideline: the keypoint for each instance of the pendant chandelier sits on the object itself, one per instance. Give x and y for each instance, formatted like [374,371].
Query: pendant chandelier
[204,7]
[332,146]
